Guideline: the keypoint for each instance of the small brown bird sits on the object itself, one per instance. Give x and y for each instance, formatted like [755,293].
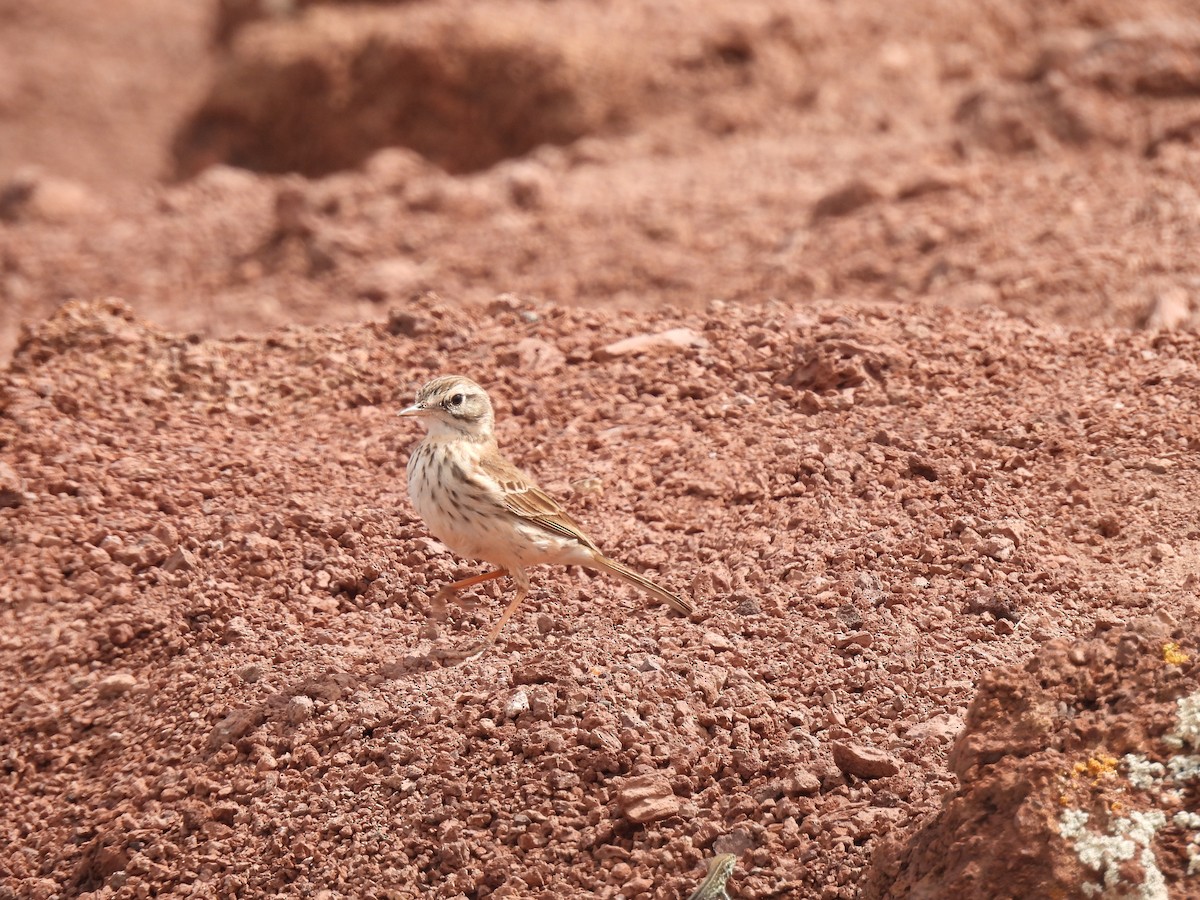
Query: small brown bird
[715,884]
[483,507]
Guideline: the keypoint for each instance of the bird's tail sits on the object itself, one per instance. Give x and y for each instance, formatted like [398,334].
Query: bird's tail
[612,567]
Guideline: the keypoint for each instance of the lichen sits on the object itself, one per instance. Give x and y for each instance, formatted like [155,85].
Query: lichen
[1096,767]
[1190,821]
[1187,732]
[1104,853]
[1143,774]
[1173,654]
[1184,768]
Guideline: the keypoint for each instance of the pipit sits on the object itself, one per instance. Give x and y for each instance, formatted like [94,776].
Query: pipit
[714,885]
[483,507]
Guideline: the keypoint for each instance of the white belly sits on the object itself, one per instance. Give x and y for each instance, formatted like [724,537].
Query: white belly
[472,522]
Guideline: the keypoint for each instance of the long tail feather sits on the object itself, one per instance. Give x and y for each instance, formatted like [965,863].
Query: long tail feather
[611,566]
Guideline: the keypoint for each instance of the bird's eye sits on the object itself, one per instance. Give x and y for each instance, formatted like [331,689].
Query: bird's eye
[456,400]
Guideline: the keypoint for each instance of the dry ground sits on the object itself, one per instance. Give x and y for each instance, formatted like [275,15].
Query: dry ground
[936,415]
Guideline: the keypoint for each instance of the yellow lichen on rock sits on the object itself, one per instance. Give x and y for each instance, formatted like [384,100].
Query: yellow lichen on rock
[1097,767]
[1173,654]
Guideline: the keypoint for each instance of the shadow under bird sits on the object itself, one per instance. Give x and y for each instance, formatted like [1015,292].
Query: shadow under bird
[483,507]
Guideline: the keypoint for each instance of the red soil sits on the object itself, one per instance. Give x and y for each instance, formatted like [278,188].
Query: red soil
[935,418]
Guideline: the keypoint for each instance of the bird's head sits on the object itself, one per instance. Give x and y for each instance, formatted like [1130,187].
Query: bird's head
[453,406]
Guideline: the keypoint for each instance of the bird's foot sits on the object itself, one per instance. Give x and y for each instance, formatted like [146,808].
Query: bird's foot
[454,656]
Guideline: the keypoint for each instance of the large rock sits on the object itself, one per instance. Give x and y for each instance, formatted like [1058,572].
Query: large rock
[670,341]
[863,762]
[1079,776]
[647,798]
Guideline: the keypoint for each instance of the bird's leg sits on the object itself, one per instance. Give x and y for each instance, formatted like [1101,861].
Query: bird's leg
[521,580]
[448,592]
[460,656]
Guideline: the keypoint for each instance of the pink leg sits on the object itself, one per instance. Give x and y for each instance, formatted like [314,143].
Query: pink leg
[522,583]
[453,588]
[448,591]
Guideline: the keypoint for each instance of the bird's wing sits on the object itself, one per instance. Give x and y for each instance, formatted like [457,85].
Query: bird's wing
[522,497]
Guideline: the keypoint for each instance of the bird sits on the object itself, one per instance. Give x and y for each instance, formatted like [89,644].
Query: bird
[715,884]
[483,507]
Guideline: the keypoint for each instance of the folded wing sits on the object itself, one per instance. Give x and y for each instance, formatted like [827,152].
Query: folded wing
[522,497]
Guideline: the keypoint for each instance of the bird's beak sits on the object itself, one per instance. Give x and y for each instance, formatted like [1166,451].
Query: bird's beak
[415,410]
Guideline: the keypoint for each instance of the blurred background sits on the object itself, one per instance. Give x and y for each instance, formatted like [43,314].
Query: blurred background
[233,165]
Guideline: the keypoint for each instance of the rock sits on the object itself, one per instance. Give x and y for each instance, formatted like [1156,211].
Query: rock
[541,703]
[801,783]
[940,729]
[532,356]
[115,685]
[663,342]
[1013,529]
[33,195]
[1170,309]
[393,278]
[647,798]
[12,486]
[862,639]
[299,709]
[517,704]
[180,561]
[716,641]
[1070,770]
[441,82]
[402,323]
[234,727]
[844,200]
[998,547]
[863,762]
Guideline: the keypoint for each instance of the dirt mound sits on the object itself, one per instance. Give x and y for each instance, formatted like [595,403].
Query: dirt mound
[1078,774]
[466,85]
[222,674]
[1088,85]
[1040,160]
